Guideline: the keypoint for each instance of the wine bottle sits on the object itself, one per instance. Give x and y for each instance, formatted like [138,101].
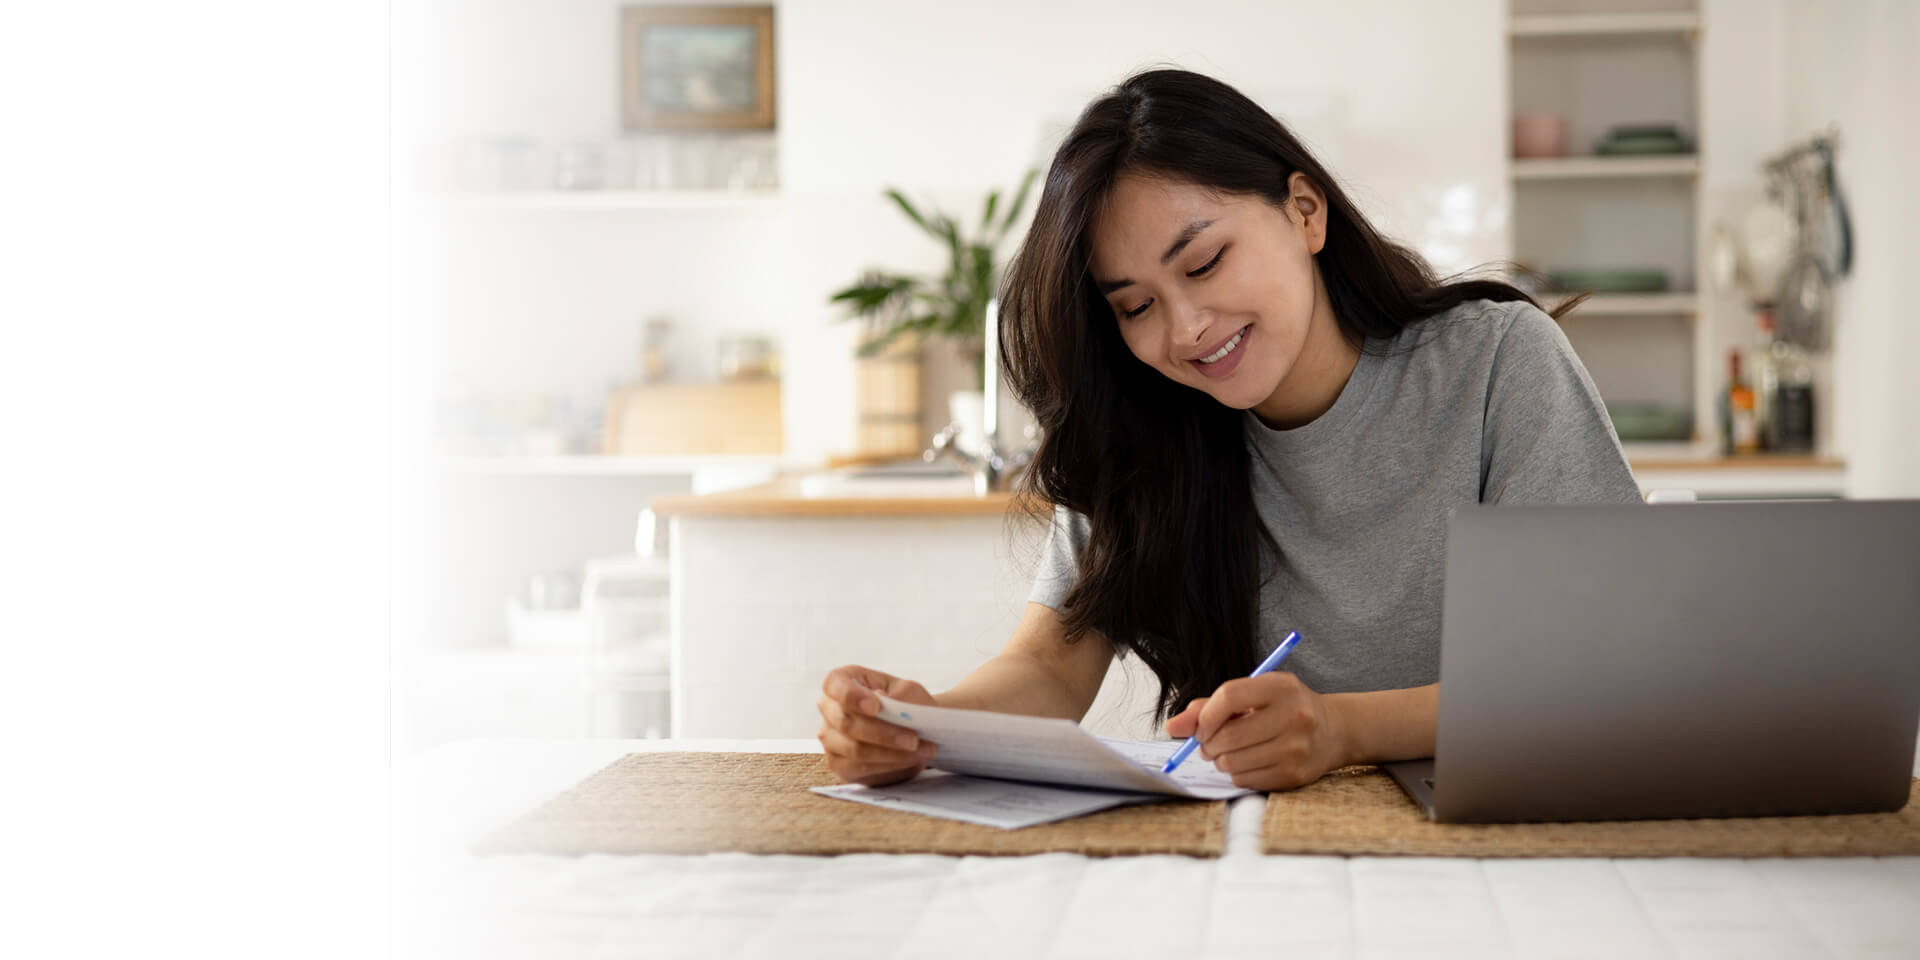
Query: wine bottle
[1743,428]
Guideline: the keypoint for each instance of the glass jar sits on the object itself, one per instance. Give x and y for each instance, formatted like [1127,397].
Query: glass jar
[747,357]
[654,366]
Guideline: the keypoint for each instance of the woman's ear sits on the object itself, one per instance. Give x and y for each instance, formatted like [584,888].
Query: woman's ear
[1307,208]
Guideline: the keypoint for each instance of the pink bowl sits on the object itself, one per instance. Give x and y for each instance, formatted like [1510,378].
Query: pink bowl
[1539,135]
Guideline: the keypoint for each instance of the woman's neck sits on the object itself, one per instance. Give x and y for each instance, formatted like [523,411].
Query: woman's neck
[1318,375]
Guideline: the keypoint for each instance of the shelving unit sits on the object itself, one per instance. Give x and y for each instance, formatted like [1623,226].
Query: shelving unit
[1603,24]
[523,291]
[606,466]
[607,200]
[1595,168]
[1601,68]
[1636,304]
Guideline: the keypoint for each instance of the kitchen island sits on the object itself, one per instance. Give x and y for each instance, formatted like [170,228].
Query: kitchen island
[775,585]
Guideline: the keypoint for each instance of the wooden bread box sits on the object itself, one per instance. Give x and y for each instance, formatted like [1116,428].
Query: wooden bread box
[679,419]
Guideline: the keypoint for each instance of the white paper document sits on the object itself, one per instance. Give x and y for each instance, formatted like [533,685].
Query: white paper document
[1007,804]
[1010,771]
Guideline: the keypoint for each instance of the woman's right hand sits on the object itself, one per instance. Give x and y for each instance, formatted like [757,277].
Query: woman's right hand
[862,748]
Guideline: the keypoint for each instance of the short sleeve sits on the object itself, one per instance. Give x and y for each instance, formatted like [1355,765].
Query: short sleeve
[1060,559]
[1546,437]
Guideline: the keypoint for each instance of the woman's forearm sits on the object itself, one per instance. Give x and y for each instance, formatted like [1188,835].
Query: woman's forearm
[1017,683]
[1387,725]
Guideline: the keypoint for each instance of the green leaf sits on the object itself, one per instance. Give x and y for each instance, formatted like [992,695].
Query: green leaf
[861,295]
[983,279]
[908,208]
[986,219]
[874,292]
[956,258]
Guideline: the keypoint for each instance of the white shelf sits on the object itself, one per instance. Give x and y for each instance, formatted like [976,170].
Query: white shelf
[1633,304]
[630,670]
[1720,479]
[1702,468]
[1604,24]
[599,466]
[1666,451]
[562,200]
[1591,168]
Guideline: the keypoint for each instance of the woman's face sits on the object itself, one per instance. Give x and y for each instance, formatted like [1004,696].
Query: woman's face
[1215,291]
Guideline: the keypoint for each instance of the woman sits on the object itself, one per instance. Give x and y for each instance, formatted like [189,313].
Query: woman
[1257,411]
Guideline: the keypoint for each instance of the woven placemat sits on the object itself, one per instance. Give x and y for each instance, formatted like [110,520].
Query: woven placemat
[1361,811]
[760,803]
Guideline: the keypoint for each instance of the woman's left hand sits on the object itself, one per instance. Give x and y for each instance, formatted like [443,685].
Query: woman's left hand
[1268,732]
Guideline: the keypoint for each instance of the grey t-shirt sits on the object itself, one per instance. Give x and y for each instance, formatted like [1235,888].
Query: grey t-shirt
[1485,403]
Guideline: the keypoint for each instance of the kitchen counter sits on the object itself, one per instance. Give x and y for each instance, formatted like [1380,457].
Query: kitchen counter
[1742,477]
[804,496]
[793,497]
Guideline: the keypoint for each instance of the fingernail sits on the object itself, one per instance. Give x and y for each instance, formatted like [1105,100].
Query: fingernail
[871,706]
[905,741]
[927,750]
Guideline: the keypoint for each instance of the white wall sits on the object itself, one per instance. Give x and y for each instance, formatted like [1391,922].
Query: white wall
[1405,99]
[1850,65]
[1742,87]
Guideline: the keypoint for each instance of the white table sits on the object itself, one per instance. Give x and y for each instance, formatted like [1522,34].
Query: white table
[1061,905]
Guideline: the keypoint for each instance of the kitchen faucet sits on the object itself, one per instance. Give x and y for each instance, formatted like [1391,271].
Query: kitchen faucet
[989,465]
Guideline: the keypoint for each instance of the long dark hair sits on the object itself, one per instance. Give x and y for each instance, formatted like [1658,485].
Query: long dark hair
[1172,567]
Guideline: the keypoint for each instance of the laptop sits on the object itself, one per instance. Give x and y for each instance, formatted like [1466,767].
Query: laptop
[1618,662]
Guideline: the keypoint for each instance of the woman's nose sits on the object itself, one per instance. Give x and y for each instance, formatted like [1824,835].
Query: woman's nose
[1190,324]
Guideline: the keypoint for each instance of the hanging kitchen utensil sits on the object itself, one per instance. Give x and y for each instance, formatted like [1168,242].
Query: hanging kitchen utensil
[1801,179]
[1768,239]
[1832,223]
[1803,302]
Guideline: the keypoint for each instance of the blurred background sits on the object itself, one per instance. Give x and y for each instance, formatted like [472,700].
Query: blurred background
[666,476]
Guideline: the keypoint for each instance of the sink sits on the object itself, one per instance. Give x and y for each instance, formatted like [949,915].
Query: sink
[911,478]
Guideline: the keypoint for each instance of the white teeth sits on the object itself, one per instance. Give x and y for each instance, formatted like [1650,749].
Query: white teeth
[1223,351]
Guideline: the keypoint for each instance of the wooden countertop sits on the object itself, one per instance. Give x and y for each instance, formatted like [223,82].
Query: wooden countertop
[785,498]
[1752,461]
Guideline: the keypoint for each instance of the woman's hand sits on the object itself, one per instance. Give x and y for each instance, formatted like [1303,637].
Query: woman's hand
[1268,732]
[861,748]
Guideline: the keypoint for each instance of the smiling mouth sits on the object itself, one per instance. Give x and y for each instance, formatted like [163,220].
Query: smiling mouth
[1227,348]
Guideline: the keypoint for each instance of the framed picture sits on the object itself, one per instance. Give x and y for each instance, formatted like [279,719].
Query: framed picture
[696,68]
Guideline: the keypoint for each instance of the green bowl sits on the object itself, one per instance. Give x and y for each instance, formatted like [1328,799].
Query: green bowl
[1609,281]
[1645,422]
[1642,138]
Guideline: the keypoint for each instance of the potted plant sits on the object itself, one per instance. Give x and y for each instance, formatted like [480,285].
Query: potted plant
[953,305]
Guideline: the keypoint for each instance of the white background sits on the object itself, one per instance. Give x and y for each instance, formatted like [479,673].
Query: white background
[196,372]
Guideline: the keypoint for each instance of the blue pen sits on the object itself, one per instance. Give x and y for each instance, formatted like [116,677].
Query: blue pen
[1273,660]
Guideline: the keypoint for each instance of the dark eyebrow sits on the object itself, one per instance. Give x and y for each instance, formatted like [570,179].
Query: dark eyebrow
[1180,243]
